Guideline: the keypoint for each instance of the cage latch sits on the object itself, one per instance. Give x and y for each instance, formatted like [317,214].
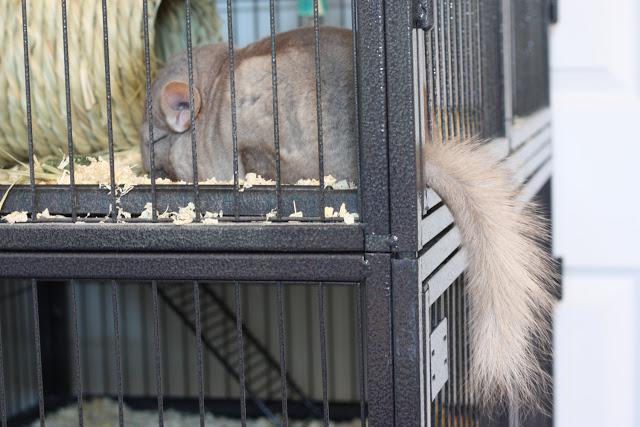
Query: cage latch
[439,346]
[423,11]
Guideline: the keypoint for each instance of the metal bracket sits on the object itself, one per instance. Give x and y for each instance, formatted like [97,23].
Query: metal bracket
[423,11]
[439,358]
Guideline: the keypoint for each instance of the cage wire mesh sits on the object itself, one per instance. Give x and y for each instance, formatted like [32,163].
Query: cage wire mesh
[188,349]
[103,90]
[210,351]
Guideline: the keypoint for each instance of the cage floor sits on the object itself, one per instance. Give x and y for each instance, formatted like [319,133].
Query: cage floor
[103,412]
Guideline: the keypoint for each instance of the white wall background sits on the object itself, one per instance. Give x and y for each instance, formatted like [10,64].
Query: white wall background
[596,102]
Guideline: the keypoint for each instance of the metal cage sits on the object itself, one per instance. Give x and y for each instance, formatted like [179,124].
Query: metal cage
[293,318]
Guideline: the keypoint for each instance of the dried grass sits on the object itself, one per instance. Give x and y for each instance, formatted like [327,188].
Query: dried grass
[86,70]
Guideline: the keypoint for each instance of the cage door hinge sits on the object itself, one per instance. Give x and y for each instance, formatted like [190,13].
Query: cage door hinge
[423,14]
[439,345]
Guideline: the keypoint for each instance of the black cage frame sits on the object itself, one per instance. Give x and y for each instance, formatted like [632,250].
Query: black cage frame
[386,252]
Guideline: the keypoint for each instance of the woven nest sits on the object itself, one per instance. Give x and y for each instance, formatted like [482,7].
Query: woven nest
[86,69]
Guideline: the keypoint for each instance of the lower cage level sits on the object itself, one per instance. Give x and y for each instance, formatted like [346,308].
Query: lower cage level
[268,352]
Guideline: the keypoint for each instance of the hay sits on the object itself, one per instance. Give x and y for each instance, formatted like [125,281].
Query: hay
[86,69]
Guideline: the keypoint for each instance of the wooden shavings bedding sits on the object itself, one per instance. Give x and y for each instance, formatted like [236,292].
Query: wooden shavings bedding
[15,217]
[185,215]
[104,413]
[128,171]
[46,215]
[96,171]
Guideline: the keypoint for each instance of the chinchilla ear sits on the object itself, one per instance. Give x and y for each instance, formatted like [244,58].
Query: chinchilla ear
[174,103]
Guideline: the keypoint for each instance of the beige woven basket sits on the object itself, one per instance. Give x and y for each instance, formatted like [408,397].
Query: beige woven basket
[86,68]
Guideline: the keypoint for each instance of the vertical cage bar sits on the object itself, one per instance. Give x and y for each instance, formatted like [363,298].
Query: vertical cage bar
[207,375]
[266,321]
[434,399]
[453,58]
[29,327]
[166,378]
[234,120]
[323,354]
[436,53]
[13,335]
[184,291]
[226,346]
[311,362]
[117,351]
[441,69]
[464,31]
[200,367]
[434,92]
[473,100]
[36,339]
[288,326]
[107,82]
[479,68]
[470,55]
[19,334]
[241,361]
[77,359]
[448,69]
[447,386]
[276,120]
[467,358]
[149,101]
[192,112]
[444,398]
[3,389]
[356,88]
[360,355]
[426,362]
[451,358]
[67,86]
[353,362]
[421,113]
[332,376]
[27,90]
[27,307]
[126,371]
[439,399]
[442,72]
[158,356]
[463,352]
[457,18]
[104,334]
[282,342]
[84,333]
[460,351]
[316,43]
[144,354]
[455,345]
